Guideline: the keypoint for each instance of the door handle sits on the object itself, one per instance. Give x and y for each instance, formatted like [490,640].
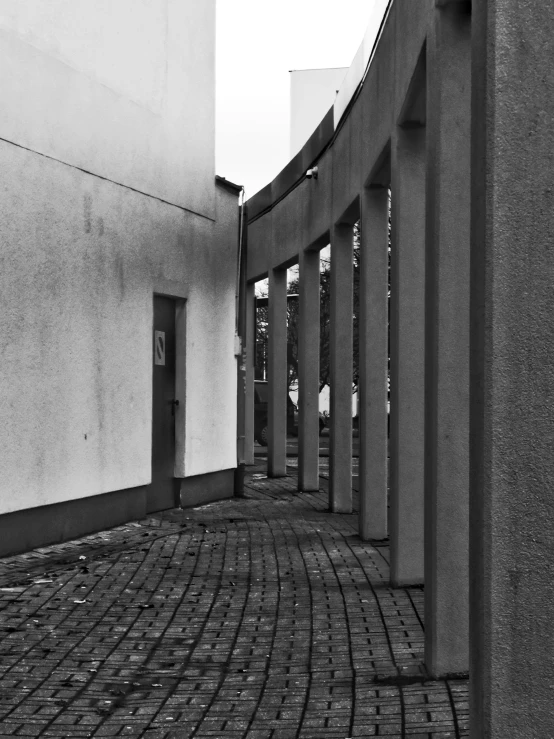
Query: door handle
[174,404]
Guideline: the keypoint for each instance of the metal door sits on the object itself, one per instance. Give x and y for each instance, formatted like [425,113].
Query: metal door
[162,491]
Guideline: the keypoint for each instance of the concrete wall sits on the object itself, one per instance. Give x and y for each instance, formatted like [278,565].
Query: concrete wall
[512,401]
[83,252]
[359,63]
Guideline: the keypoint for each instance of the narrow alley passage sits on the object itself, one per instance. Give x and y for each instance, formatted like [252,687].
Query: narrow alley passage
[261,618]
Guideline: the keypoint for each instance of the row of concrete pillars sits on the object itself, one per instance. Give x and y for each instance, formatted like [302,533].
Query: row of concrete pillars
[468,160]
[425,513]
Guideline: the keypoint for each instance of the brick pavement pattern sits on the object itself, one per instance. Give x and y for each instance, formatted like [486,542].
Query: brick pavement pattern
[258,618]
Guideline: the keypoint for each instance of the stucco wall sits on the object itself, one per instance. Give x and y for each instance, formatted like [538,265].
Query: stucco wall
[122,89]
[108,197]
[81,259]
[211,376]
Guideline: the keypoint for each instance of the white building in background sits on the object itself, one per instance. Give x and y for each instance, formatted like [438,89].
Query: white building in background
[312,93]
[119,263]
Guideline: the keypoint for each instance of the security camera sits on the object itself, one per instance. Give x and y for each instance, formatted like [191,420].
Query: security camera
[312,173]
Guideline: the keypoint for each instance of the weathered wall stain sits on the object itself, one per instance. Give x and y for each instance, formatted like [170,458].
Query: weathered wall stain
[87,212]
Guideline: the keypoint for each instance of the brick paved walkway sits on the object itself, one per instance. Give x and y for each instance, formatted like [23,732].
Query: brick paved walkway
[264,618]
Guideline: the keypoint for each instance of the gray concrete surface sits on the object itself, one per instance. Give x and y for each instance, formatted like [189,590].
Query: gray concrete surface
[308,371]
[447,342]
[277,373]
[373,363]
[407,357]
[512,403]
[340,364]
[250,373]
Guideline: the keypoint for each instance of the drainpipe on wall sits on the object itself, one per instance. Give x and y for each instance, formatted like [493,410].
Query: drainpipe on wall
[240,350]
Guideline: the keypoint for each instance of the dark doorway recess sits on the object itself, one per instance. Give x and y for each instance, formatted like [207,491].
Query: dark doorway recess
[163,489]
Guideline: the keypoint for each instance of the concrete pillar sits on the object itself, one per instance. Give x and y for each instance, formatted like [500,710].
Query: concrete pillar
[340,365]
[250,372]
[447,342]
[373,360]
[308,372]
[512,371]
[407,355]
[277,374]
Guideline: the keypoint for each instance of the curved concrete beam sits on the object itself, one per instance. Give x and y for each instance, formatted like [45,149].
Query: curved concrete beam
[292,212]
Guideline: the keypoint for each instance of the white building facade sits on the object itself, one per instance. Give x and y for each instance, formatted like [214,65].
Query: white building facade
[312,93]
[119,264]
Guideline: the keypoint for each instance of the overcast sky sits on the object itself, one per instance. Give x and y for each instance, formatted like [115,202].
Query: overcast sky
[258,42]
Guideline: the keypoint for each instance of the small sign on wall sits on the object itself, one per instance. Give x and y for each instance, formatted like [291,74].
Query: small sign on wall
[159,347]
